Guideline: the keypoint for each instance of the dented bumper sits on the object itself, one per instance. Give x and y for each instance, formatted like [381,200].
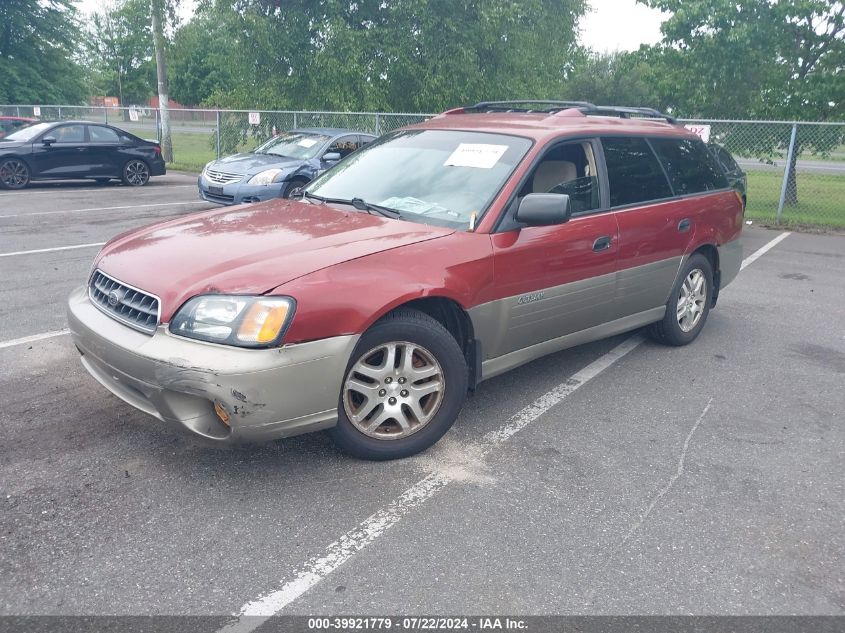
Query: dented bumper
[267,393]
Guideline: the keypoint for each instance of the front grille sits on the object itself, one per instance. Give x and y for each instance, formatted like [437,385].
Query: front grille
[222,177]
[126,304]
[223,199]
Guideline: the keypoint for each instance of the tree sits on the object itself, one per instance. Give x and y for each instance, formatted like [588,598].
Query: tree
[38,44]
[753,59]
[120,52]
[158,17]
[618,78]
[403,55]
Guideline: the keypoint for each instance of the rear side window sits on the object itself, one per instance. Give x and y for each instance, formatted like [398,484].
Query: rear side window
[634,173]
[691,168]
[102,134]
[726,159]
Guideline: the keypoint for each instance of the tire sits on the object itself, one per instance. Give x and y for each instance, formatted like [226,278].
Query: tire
[688,304]
[291,187]
[136,173]
[14,174]
[384,426]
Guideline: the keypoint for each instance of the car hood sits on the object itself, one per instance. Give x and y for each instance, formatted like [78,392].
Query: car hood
[4,144]
[250,249]
[252,164]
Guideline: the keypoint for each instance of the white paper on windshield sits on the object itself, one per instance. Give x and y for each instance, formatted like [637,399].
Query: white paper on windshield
[479,155]
[415,205]
[307,142]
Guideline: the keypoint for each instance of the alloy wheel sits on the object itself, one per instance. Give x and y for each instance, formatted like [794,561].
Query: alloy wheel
[692,300]
[137,173]
[393,390]
[14,174]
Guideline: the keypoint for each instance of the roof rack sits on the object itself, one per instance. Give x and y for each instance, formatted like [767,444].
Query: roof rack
[626,112]
[550,107]
[521,105]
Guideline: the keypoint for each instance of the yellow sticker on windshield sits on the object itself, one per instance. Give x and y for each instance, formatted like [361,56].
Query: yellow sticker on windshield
[478,155]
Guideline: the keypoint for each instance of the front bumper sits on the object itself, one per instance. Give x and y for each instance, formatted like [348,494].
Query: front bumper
[239,192]
[267,393]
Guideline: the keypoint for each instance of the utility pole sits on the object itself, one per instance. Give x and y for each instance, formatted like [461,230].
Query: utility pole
[157,11]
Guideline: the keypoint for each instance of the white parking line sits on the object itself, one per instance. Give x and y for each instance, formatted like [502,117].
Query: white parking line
[765,249]
[66,190]
[32,339]
[51,250]
[254,613]
[136,206]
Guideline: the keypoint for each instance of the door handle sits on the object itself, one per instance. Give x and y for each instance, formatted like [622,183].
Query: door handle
[602,243]
[683,225]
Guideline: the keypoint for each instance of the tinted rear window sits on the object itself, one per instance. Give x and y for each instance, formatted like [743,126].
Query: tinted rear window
[691,168]
[634,173]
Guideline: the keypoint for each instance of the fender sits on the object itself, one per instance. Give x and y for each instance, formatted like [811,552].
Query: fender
[348,298]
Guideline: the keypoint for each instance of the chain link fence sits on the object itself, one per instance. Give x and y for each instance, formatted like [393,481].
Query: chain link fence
[811,192]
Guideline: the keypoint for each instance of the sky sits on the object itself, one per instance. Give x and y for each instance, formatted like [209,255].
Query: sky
[610,25]
[620,25]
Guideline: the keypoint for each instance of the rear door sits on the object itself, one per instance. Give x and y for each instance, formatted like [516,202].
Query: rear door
[556,280]
[104,151]
[654,190]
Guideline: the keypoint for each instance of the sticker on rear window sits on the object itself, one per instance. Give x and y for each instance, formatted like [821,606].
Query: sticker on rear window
[307,142]
[477,155]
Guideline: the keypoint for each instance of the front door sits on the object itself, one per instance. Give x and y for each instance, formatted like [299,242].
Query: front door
[556,280]
[66,158]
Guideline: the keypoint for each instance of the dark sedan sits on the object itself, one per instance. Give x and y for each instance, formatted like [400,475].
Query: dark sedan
[279,167]
[73,150]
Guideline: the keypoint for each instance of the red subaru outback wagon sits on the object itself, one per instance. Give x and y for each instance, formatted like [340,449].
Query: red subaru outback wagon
[441,255]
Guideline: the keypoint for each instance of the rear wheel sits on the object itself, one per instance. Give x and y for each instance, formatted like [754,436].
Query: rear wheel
[688,305]
[403,389]
[14,174]
[136,173]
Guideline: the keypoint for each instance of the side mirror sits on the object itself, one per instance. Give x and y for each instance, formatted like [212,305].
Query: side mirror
[544,209]
[48,140]
[331,157]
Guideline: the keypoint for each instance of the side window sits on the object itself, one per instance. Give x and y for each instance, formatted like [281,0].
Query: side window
[634,173]
[68,134]
[102,134]
[344,146]
[365,140]
[690,166]
[727,160]
[571,169]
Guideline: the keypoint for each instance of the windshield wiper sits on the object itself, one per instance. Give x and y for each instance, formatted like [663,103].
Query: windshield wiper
[358,203]
[363,205]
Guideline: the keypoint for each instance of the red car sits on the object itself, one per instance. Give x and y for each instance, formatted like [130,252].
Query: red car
[9,124]
[440,255]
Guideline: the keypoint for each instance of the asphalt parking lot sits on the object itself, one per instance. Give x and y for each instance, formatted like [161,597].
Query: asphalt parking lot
[620,477]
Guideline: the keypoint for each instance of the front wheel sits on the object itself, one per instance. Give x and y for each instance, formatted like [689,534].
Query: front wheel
[403,388]
[136,173]
[688,304]
[293,187]
[14,174]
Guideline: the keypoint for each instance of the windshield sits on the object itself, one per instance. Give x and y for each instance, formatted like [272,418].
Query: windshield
[444,177]
[302,145]
[27,133]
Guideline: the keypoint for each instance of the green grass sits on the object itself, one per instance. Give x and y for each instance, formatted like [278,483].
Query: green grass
[821,199]
[191,150]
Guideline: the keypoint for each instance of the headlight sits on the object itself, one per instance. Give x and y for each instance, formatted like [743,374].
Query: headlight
[235,320]
[266,177]
[205,169]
